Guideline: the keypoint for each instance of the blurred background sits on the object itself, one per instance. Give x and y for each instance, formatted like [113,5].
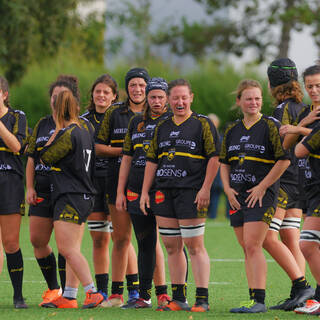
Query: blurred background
[212,43]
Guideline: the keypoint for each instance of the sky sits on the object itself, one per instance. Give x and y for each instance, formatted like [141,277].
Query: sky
[302,49]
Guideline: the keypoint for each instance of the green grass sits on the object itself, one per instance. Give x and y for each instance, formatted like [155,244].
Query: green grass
[228,286]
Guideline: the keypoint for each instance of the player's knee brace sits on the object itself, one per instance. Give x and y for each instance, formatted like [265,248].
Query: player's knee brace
[291,223]
[192,231]
[275,224]
[100,226]
[310,235]
[169,232]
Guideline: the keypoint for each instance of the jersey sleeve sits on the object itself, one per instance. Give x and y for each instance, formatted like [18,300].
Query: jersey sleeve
[282,114]
[103,135]
[223,156]
[152,153]
[127,144]
[31,152]
[312,141]
[276,141]
[58,149]
[20,128]
[210,138]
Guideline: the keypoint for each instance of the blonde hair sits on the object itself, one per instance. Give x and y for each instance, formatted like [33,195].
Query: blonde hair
[287,90]
[66,108]
[245,84]
[215,119]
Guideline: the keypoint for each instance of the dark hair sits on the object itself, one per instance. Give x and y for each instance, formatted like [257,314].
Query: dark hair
[287,90]
[179,82]
[68,81]
[136,73]
[4,87]
[110,82]
[66,107]
[310,71]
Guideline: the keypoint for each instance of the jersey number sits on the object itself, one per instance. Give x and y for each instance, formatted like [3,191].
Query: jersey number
[87,158]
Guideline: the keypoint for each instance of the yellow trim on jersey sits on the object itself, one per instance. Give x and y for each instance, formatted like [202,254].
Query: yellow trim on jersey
[317,156]
[39,148]
[253,159]
[8,150]
[182,121]
[138,145]
[182,154]
[95,118]
[117,141]
[55,169]
[252,124]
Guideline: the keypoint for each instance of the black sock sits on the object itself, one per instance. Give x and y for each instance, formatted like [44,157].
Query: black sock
[317,293]
[251,294]
[15,268]
[145,289]
[48,268]
[202,294]
[117,287]
[132,282]
[300,283]
[62,270]
[178,292]
[161,290]
[102,282]
[259,295]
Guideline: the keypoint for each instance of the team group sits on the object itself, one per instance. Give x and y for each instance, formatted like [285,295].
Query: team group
[149,162]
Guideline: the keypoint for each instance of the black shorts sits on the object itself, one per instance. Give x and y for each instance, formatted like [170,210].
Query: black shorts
[73,207]
[289,196]
[241,216]
[133,203]
[313,201]
[112,185]
[100,199]
[12,193]
[176,203]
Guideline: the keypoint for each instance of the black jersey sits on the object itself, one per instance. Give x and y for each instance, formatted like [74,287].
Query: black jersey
[305,171]
[40,136]
[113,129]
[96,118]
[15,121]
[312,143]
[136,144]
[182,151]
[71,157]
[287,113]
[251,153]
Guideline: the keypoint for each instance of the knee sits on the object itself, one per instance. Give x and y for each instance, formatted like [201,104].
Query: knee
[37,242]
[251,249]
[10,245]
[100,243]
[172,249]
[308,249]
[121,243]
[195,249]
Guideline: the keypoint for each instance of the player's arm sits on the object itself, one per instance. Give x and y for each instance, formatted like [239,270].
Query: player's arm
[203,196]
[121,202]
[30,172]
[230,192]
[103,150]
[9,139]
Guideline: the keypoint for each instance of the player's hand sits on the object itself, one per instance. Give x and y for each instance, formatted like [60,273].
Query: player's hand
[232,198]
[121,202]
[288,128]
[31,196]
[256,194]
[202,199]
[311,117]
[144,203]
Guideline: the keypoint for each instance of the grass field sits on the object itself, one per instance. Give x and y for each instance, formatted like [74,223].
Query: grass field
[227,287]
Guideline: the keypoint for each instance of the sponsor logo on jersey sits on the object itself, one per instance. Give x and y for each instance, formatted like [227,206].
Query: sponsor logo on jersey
[120,130]
[159,197]
[138,135]
[241,158]
[132,196]
[178,173]
[234,147]
[43,139]
[189,143]
[255,147]
[242,177]
[174,134]
[150,126]
[171,154]
[4,166]
[146,145]
[244,138]
[303,163]
[163,144]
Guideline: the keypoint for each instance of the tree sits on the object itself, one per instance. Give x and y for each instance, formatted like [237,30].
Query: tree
[236,25]
[31,30]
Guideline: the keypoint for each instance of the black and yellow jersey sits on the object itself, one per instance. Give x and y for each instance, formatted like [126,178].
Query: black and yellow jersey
[287,113]
[15,121]
[182,151]
[113,129]
[71,158]
[303,163]
[42,132]
[136,144]
[251,153]
[96,118]
[312,143]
